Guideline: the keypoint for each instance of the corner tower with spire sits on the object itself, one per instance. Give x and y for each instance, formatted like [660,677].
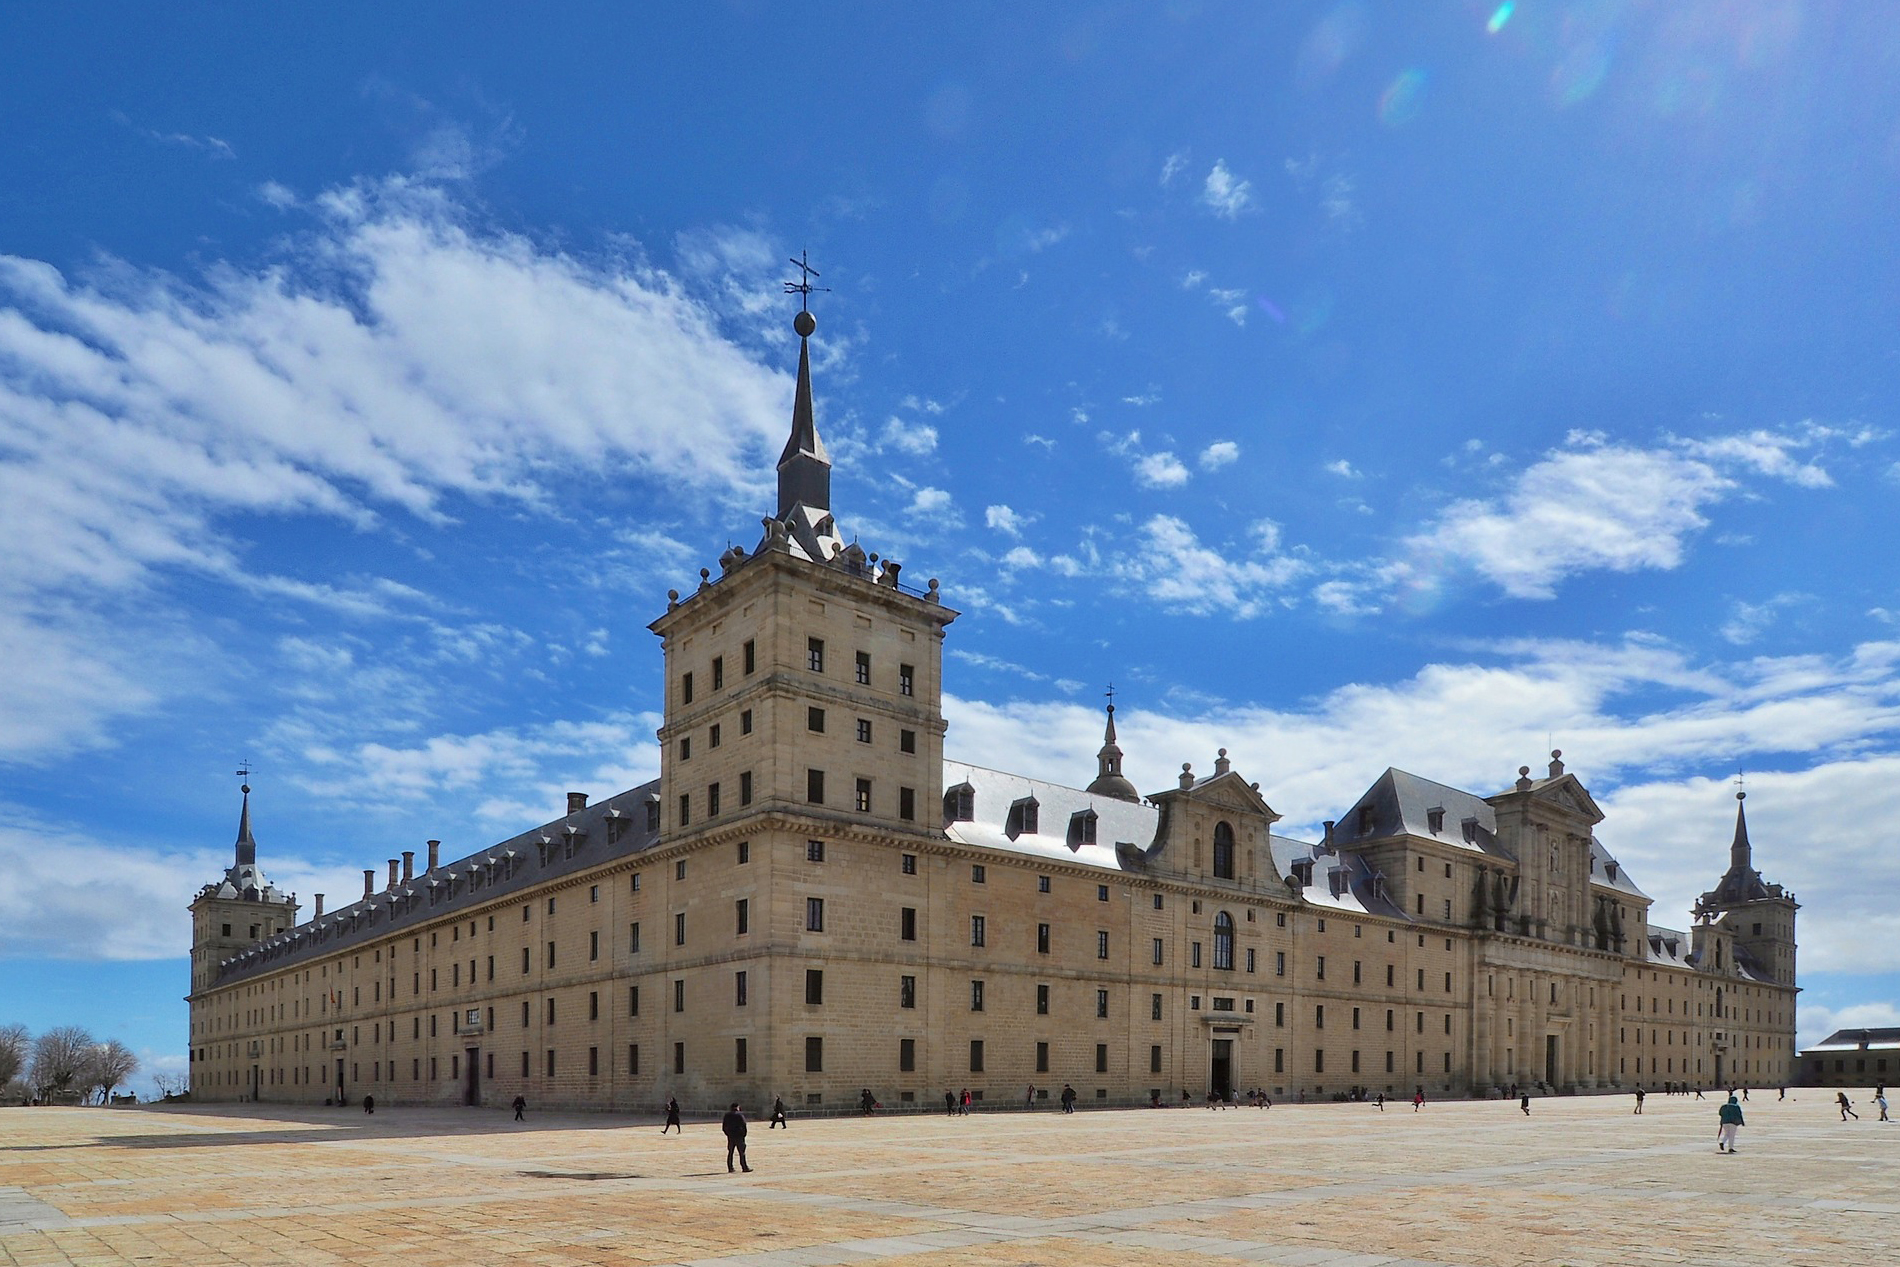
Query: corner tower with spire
[235,913]
[1756,917]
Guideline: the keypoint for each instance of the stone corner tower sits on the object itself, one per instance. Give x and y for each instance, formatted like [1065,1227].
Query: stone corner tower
[237,912]
[1758,917]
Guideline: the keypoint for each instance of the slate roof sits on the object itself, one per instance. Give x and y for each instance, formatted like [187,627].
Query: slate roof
[1859,1039]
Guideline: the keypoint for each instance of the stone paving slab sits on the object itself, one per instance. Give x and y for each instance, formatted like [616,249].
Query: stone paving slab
[1581,1183]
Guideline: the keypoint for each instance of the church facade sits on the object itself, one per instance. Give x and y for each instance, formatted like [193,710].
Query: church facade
[812,899]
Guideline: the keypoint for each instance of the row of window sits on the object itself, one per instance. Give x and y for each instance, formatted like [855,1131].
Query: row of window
[814,661]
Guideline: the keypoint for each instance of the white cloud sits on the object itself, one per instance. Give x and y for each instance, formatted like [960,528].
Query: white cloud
[1748,621]
[935,502]
[1193,280]
[1172,167]
[1225,194]
[1020,557]
[1006,520]
[1172,567]
[1046,443]
[365,375]
[1160,470]
[1768,452]
[1218,454]
[272,194]
[914,438]
[1343,469]
[1037,240]
[1143,399]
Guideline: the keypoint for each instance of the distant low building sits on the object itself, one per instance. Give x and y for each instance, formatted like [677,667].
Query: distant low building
[1849,1057]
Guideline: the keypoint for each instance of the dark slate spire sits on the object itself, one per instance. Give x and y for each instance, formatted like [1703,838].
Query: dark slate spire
[1741,882]
[246,846]
[1108,763]
[1740,856]
[804,470]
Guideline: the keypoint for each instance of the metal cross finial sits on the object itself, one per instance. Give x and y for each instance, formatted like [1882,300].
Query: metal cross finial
[244,772]
[803,287]
[1111,694]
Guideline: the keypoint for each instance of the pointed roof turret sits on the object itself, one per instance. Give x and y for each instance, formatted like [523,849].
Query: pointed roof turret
[1108,763]
[246,845]
[1741,882]
[804,468]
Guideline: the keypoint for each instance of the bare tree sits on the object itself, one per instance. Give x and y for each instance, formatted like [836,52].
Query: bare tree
[14,1045]
[169,1084]
[59,1058]
[110,1064]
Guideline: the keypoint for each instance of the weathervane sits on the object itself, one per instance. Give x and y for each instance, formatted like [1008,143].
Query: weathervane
[244,772]
[1111,694]
[803,287]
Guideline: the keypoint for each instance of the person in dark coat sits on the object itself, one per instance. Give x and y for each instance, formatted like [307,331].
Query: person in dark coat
[521,1106]
[950,1103]
[672,1115]
[1524,1102]
[1730,1119]
[1068,1098]
[369,1104]
[1639,1101]
[733,1124]
[778,1114]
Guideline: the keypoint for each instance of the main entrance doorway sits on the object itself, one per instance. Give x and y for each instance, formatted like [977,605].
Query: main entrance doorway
[1220,1078]
[472,1082]
[1550,1059]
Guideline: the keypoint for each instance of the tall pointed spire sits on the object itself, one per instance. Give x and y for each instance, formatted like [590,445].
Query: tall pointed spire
[804,469]
[246,846]
[1740,856]
[1108,767]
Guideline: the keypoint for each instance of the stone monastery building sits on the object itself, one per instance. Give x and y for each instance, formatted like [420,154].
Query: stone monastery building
[811,899]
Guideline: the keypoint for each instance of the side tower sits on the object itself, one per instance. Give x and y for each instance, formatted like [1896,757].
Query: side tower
[1757,917]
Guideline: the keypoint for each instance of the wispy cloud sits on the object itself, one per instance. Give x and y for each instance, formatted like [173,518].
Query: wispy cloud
[1218,454]
[1172,167]
[1224,193]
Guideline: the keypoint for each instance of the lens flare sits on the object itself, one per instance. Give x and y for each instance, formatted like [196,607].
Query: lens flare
[1267,306]
[1399,103]
[1500,16]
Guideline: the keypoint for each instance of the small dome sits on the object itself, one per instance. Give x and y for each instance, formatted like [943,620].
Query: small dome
[1116,786]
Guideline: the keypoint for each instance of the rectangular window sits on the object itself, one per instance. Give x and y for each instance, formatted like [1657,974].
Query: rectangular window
[1042,1057]
[814,987]
[1101,1058]
[1319,1016]
[1355,1018]
[679,996]
[686,688]
[633,1000]
[686,808]
[1279,963]
[739,995]
[863,797]
[864,730]
[1154,1059]
[864,668]
[814,1055]
[1101,944]
[976,996]
[712,800]
[907,741]
[712,735]
[633,939]
[1042,1000]
[907,804]
[679,1058]
[679,928]
[550,1062]
[906,680]
[550,1011]
[751,655]
[907,924]
[1101,893]
[718,672]
[738,1055]
[976,1055]
[1042,939]
[978,930]
[815,720]
[906,1055]
[814,915]
[686,748]
[814,851]
[550,954]
[1194,954]
[1101,1004]
[815,786]
[1250,958]
[977,874]
[907,992]
[745,787]
[1154,1007]
[1042,884]
[908,864]
[593,946]
[745,721]
[742,916]
[745,852]
[1319,967]
[815,654]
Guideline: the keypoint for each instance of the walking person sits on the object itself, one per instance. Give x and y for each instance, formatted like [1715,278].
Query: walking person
[733,1124]
[1524,1102]
[1880,1098]
[1418,1099]
[521,1107]
[1029,1097]
[1068,1098]
[1730,1117]
[867,1103]
[949,1104]
[1847,1106]
[672,1115]
[778,1114]
[964,1101]
[1639,1100]
[369,1104]
[1381,1101]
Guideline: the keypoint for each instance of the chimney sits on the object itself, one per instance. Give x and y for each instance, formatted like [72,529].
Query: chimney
[408,865]
[435,854]
[319,914]
[369,881]
[392,873]
[576,802]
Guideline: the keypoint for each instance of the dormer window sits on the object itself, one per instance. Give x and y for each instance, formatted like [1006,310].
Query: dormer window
[1365,820]
[1024,818]
[959,804]
[1470,826]
[653,813]
[1435,819]
[1303,872]
[1609,870]
[1082,828]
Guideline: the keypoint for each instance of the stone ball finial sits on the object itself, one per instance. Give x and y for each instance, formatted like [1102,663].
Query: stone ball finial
[1740,796]
[705,574]
[804,323]
[245,788]
[1222,752]
[1523,772]
[1556,754]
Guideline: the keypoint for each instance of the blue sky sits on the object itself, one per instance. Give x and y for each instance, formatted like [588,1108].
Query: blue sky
[1353,385]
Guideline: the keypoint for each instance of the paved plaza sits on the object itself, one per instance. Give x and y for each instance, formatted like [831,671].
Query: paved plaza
[1581,1181]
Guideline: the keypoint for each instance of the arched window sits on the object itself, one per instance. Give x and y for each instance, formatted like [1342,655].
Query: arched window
[1223,852]
[1224,940]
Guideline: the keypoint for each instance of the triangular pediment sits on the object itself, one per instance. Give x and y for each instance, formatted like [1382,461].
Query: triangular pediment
[1566,791]
[1228,791]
